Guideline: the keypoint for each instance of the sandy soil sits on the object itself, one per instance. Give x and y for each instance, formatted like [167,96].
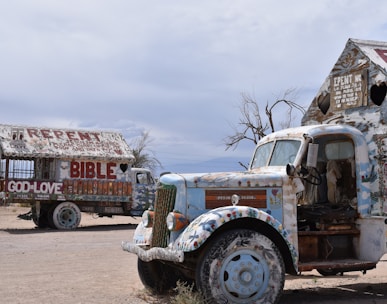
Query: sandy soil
[88,266]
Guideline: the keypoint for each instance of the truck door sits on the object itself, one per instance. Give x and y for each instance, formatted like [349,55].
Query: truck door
[327,220]
[336,172]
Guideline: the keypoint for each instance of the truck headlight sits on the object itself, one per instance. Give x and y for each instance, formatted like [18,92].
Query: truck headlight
[176,221]
[147,218]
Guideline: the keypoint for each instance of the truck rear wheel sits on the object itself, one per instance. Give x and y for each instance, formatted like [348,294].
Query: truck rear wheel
[241,266]
[40,221]
[66,216]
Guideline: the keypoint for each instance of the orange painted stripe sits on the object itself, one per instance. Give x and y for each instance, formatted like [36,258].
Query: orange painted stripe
[220,198]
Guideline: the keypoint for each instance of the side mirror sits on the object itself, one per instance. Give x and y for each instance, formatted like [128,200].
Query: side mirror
[290,170]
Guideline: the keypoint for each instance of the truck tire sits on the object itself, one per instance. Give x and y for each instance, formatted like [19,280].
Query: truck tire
[241,266]
[50,215]
[155,276]
[42,221]
[66,216]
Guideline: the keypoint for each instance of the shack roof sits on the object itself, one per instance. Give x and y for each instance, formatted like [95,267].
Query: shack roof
[40,142]
[357,82]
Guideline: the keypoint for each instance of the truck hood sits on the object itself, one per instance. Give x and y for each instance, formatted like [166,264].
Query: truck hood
[261,177]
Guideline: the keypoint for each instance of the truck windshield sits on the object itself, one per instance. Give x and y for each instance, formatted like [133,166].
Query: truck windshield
[276,153]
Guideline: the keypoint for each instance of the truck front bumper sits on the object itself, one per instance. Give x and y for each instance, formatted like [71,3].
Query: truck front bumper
[155,253]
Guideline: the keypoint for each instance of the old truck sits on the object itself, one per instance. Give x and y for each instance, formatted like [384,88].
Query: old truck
[63,172]
[314,197]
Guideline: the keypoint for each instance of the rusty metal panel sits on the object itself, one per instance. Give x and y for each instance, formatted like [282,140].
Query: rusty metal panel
[96,190]
[105,188]
[85,186]
[308,248]
[222,197]
[340,265]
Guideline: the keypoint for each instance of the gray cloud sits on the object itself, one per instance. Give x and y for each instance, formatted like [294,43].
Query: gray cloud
[174,68]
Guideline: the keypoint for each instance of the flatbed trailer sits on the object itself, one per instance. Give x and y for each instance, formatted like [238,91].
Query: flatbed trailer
[63,172]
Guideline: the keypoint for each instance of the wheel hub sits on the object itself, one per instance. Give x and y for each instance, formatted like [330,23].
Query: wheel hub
[67,217]
[245,275]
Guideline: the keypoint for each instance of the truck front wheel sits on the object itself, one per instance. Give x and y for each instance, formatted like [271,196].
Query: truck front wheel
[241,266]
[66,216]
[155,276]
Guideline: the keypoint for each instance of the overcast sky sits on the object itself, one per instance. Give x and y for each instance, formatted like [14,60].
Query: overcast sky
[174,68]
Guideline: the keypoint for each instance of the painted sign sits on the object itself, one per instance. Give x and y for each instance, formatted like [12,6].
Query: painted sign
[347,90]
[382,53]
[34,190]
[85,190]
[34,187]
[62,134]
[61,143]
[98,170]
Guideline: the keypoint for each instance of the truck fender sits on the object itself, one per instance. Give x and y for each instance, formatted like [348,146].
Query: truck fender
[198,231]
[142,235]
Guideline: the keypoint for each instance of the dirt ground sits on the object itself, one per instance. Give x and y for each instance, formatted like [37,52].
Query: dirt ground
[88,266]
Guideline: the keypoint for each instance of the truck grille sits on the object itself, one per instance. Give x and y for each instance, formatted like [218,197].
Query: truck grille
[165,200]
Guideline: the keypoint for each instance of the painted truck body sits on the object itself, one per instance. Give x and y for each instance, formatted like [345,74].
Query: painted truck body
[314,197]
[63,172]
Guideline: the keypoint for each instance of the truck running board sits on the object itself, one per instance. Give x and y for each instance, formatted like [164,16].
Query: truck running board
[337,265]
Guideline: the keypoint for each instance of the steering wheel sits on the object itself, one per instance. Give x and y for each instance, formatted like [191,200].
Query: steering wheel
[313,176]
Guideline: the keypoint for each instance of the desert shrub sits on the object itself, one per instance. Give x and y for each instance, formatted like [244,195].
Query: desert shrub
[186,294]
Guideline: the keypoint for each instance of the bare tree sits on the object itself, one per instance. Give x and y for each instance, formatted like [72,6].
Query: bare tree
[253,127]
[144,157]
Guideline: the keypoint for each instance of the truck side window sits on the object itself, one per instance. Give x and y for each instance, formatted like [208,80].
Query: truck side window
[143,178]
[285,152]
[262,155]
[340,162]
[276,153]
[339,150]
